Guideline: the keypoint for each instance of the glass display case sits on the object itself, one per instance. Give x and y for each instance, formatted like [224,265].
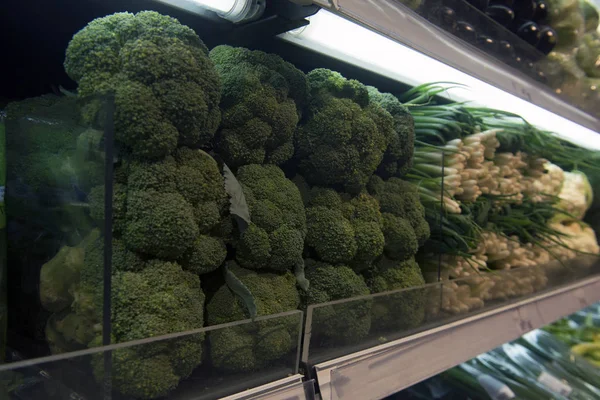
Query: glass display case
[207,197]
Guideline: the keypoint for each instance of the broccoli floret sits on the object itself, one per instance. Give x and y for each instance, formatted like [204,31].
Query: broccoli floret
[590,15]
[324,83]
[343,139]
[206,255]
[397,159]
[258,344]
[401,199]
[262,101]
[275,238]
[330,235]
[400,240]
[566,18]
[402,310]
[344,230]
[343,323]
[123,260]
[166,89]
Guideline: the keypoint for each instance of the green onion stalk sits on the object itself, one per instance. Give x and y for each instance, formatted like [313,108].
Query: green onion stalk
[519,135]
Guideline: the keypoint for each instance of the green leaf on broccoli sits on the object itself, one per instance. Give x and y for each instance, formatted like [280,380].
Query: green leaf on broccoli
[240,290]
[301,280]
[237,201]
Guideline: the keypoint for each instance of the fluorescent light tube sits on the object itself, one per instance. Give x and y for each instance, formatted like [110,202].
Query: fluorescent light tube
[232,10]
[218,6]
[337,37]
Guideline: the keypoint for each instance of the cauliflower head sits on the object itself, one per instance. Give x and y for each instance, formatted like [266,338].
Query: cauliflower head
[576,194]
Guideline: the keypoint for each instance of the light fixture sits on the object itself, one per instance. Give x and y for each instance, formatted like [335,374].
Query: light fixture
[233,10]
[337,37]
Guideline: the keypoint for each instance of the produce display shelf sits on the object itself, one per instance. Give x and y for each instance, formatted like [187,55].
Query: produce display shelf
[397,22]
[382,370]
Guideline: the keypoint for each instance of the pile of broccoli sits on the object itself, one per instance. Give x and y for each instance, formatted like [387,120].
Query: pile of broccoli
[170,208]
[374,235]
[204,207]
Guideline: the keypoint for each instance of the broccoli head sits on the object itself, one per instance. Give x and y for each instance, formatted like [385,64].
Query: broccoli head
[343,323]
[262,101]
[344,137]
[171,209]
[401,200]
[401,310]
[254,345]
[166,89]
[344,229]
[158,300]
[275,238]
[397,159]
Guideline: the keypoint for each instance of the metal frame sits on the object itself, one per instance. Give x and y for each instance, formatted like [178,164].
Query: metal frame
[383,370]
[392,19]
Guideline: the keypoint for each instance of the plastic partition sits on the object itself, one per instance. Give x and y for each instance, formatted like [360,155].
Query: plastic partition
[136,366]
[339,328]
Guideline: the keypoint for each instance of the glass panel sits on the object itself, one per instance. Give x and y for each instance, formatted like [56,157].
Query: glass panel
[346,326]
[153,367]
[55,185]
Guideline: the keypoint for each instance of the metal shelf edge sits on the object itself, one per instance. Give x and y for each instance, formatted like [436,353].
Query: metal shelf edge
[386,369]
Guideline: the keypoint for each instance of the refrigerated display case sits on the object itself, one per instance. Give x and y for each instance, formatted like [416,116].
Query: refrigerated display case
[273,198]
